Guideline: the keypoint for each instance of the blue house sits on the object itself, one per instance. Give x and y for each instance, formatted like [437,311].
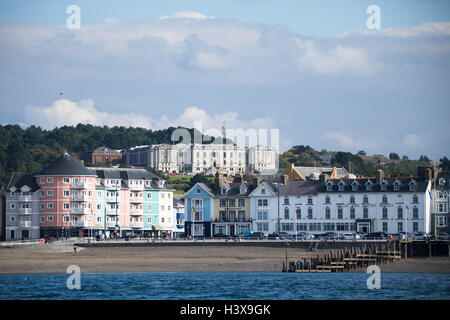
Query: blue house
[199,208]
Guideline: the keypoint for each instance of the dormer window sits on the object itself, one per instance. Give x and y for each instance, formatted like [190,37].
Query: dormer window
[286,200]
[329,186]
[263,191]
[243,189]
[355,186]
[396,186]
[383,186]
[412,186]
[341,186]
[368,186]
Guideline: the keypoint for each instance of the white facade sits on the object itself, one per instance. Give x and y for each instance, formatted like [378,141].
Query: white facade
[203,158]
[320,211]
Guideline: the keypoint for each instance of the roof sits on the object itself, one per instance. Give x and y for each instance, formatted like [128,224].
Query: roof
[305,172]
[66,165]
[234,189]
[105,150]
[421,185]
[178,200]
[299,188]
[20,179]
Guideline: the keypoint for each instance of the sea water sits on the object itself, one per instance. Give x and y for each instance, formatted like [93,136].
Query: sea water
[225,286]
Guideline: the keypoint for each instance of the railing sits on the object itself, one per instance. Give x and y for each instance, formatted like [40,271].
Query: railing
[137,224]
[110,185]
[25,224]
[26,198]
[111,224]
[25,211]
[112,211]
[80,197]
[78,184]
[136,212]
[136,186]
[79,223]
[79,210]
[232,220]
[112,199]
[136,199]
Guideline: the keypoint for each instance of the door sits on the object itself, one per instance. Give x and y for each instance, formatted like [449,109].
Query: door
[232,231]
[364,227]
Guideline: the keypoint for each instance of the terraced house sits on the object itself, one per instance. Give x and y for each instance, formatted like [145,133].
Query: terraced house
[67,197]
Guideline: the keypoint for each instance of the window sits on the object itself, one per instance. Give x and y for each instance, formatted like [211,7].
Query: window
[262,227]
[12,219]
[400,226]
[384,199]
[352,199]
[412,186]
[66,193]
[50,205]
[385,213]
[442,221]
[415,199]
[352,213]
[341,186]
[241,215]
[49,193]
[365,213]
[262,215]
[241,202]
[197,191]
[327,200]
[415,213]
[369,186]
[263,202]
[263,191]
[42,194]
[415,226]
[198,203]
[399,213]
[396,186]
[66,206]
[340,214]
[66,180]
[232,203]
[329,187]
[42,206]
[442,208]
[223,202]
[286,200]
[42,219]
[198,216]
[286,213]
[354,186]
[310,213]
[365,199]
[49,218]
[385,227]
[298,212]
[12,205]
[383,186]
[327,213]
[49,180]
[310,200]
[42,180]
[66,219]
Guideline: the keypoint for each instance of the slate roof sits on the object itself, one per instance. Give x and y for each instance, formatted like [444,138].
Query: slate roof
[421,185]
[299,188]
[65,165]
[20,179]
[305,172]
[234,190]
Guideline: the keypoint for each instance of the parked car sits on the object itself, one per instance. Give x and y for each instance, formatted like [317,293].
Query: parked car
[284,235]
[376,236]
[348,236]
[258,235]
[305,236]
[221,235]
[277,236]
[331,236]
[443,236]
[360,235]
[420,236]
[396,236]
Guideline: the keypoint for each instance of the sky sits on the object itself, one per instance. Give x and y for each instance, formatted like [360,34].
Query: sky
[314,70]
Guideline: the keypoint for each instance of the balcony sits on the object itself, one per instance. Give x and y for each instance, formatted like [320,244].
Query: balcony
[136,199]
[25,211]
[112,211]
[137,187]
[27,198]
[79,210]
[111,224]
[80,223]
[78,184]
[136,212]
[112,185]
[79,197]
[112,199]
[25,224]
[137,224]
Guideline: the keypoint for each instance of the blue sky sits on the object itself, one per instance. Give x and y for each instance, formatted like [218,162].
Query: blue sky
[309,68]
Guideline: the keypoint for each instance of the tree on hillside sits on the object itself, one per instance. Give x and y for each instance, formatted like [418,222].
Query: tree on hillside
[361,153]
[394,156]
[445,165]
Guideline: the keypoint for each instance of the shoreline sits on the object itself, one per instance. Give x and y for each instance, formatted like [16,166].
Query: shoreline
[56,257]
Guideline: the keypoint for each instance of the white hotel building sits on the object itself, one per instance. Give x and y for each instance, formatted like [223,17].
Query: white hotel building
[347,205]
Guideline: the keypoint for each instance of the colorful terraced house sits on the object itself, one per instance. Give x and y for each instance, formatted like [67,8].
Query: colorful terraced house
[67,197]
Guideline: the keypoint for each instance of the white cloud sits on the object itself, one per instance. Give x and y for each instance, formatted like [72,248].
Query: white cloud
[354,142]
[423,29]
[186,15]
[65,112]
[412,141]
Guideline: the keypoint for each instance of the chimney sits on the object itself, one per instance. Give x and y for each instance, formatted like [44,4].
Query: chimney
[256,181]
[284,178]
[323,178]
[380,175]
[237,178]
[428,174]
[219,180]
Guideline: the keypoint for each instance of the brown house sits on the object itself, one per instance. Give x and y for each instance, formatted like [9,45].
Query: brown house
[103,155]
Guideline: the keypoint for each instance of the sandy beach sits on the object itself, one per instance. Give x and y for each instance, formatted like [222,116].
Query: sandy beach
[56,257]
